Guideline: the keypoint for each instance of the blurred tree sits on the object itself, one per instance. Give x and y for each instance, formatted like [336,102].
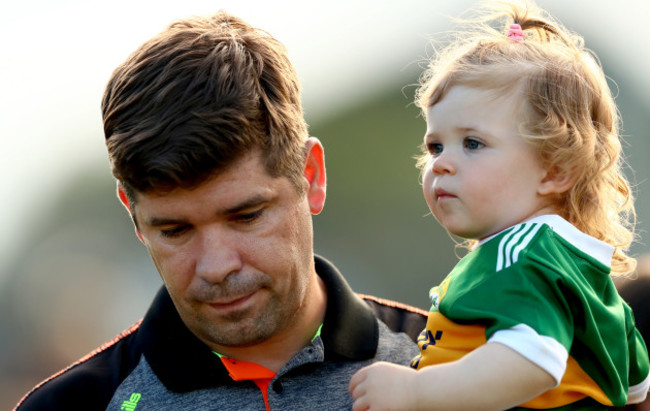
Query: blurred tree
[82,279]
[376,225]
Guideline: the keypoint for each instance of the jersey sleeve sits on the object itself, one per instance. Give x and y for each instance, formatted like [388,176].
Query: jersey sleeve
[639,370]
[524,307]
[551,299]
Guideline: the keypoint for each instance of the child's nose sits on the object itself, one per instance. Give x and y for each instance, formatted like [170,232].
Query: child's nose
[444,164]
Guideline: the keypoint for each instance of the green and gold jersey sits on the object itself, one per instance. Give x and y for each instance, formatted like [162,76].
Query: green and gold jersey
[543,289]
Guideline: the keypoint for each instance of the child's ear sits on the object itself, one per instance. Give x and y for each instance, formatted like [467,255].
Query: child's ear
[556,181]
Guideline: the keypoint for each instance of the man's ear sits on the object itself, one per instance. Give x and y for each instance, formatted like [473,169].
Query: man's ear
[315,174]
[124,199]
[557,181]
[121,194]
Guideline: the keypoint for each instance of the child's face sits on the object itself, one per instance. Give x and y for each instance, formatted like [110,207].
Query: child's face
[481,176]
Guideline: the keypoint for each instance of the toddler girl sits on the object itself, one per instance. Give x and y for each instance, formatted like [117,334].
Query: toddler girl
[523,159]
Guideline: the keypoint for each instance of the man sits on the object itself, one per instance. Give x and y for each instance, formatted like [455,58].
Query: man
[206,138]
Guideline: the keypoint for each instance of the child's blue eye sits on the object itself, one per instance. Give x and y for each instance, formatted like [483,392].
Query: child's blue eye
[472,144]
[434,148]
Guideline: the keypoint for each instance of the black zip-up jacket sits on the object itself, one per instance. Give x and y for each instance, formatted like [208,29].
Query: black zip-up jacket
[158,362]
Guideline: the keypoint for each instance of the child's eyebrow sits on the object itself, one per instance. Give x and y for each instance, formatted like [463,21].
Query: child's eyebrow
[431,134]
[460,130]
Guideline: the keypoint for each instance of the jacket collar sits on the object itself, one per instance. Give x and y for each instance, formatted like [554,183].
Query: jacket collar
[183,363]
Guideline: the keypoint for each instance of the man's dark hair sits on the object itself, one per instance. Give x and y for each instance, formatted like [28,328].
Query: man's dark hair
[195,98]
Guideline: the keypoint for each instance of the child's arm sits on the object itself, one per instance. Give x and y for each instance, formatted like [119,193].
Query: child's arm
[493,376]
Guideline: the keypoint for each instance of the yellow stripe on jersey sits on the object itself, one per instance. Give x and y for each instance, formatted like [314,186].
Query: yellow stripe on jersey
[444,341]
[575,385]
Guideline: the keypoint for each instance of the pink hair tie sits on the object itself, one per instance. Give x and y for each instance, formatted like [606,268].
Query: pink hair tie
[515,33]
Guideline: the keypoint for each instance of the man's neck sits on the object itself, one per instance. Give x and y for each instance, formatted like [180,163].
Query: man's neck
[275,352]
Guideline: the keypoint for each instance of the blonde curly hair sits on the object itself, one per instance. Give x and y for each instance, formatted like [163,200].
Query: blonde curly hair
[568,112]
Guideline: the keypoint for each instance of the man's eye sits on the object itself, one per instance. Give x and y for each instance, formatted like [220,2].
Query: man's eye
[249,217]
[173,232]
[473,144]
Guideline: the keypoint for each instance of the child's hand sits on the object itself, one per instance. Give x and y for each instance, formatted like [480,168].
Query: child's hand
[383,386]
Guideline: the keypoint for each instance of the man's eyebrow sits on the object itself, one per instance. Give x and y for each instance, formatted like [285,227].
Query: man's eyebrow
[161,221]
[248,203]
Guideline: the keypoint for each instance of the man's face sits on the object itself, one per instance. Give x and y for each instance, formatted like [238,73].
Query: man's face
[235,253]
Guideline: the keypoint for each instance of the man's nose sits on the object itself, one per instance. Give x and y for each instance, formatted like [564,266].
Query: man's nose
[217,255]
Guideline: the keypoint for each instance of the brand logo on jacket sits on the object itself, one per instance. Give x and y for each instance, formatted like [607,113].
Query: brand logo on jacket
[131,403]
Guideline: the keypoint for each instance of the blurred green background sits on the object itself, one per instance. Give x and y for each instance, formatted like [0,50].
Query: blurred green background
[76,275]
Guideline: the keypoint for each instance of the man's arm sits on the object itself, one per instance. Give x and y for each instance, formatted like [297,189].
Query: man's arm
[399,317]
[90,382]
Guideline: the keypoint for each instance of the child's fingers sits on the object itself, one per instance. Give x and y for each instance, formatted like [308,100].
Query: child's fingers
[357,391]
[356,379]
[360,405]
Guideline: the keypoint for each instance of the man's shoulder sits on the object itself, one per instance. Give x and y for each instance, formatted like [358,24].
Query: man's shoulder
[88,383]
[399,317]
